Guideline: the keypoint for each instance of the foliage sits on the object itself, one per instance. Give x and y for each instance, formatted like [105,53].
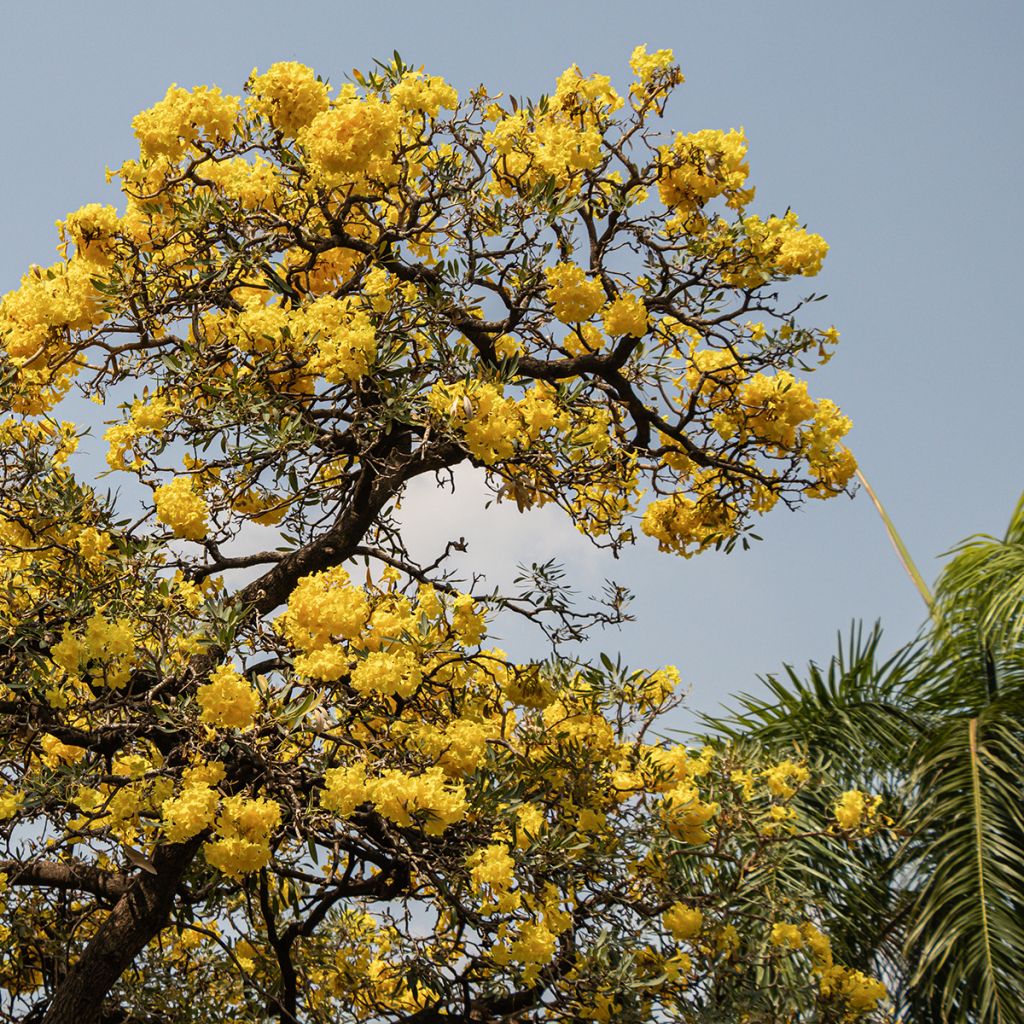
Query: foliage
[938,729]
[299,784]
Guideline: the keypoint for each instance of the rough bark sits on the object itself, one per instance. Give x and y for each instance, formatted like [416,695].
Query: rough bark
[137,916]
[70,876]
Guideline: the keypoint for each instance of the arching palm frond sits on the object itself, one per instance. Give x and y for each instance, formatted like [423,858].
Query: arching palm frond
[978,637]
[856,715]
[938,728]
[967,940]
[853,720]
[967,935]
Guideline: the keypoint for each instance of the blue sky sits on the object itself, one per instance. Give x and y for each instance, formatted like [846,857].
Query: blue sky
[892,128]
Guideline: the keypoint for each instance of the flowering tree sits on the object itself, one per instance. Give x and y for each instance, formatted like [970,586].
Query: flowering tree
[317,793]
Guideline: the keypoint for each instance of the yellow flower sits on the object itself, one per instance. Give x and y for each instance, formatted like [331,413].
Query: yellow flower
[788,936]
[626,315]
[228,700]
[289,95]
[424,93]
[182,118]
[181,508]
[682,921]
[854,809]
[573,296]
[242,844]
[10,803]
[646,65]
[352,136]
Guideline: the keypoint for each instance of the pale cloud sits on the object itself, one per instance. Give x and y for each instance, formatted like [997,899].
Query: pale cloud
[498,537]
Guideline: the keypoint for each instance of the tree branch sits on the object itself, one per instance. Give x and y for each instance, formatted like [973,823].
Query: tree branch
[74,876]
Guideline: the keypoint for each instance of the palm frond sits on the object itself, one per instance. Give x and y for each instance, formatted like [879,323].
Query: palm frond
[856,713]
[938,727]
[967,936]
[902,552]
[980,594]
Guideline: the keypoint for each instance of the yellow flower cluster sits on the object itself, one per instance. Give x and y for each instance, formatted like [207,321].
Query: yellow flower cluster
[458,745]
[777,411]
[795,251]
[324,605]
[527,686]
[713,374]
[181,508]
[855,809]
[783,779]
[859,993]
[788,936]
[103,651]
[183,117]
[244,826]
[832,464]
[583,339]
[627,314]
[355,136]
[55,752]
[492,872]
[687,526]
[228,700]
[345,337]
[467,622]
[533,942]
[92,229]
[148,417]
[424,93]
[687,815]
[429,797]
[573,296]
[567,725]
[778,246]
[288,95]
[333,338]
[195,806]
[648,65]
[495,427]
[553,142]
[387,672]
[683,921]
[10,803]
[648,690]
[48,302]
[253,186]
[261,507]
[699,167]
[399,796]
[345,789]
[774,407]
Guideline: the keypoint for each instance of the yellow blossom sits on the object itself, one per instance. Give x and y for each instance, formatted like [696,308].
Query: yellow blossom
[181,508]
[228,700]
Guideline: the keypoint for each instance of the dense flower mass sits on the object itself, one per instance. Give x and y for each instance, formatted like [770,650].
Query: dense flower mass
[230,692]
[228,699]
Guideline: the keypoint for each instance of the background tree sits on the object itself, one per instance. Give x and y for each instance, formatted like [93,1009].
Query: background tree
[314,793]
[938,729]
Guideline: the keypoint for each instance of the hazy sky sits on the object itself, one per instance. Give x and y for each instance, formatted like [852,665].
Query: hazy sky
[893,128]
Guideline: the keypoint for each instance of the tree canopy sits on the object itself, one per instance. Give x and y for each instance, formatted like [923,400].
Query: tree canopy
[300,783]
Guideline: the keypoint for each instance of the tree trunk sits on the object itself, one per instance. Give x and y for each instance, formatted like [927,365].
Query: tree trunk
[137,916]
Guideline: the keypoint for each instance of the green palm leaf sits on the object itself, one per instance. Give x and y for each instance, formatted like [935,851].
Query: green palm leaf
[851,715]
[967,936]
[938,728]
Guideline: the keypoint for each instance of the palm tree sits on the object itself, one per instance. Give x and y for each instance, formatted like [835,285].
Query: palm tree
[937,907]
